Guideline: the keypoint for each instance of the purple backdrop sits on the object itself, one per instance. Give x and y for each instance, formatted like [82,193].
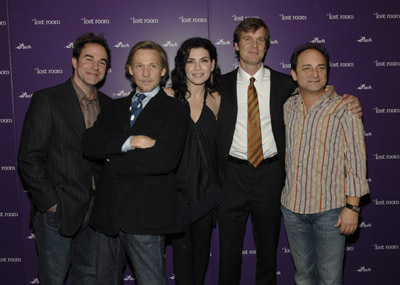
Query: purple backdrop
[362,38]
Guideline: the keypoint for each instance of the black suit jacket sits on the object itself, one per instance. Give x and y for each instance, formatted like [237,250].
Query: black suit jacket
[282,87]
[137,191]
[50,159]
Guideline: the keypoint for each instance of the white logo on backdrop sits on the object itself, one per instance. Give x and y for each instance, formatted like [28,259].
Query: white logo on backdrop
[25,95]
[222,42]
[386,247]
[274,42]
[386,111]
[342,64]
[368,134]
[120,93]
[285,65]
[23,46]
[5,121]
[144,21]
[241,18]
[365,225]
[364,86]
[3,23]
[364,269]
[8,167]
[385,202]
[31,236]
[129,278]
[189,20]
[69,45]
[386,16]
[35,281]
[9,215]
[318,40]
[170,44]
[386,63]
[340,17]
[95,21]
[249,251]
[121,45]
[364,39]
[293,17]
[48,71]
[43,22]
[4,72]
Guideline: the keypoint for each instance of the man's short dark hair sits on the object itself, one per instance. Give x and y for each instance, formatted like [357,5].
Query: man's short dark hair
[152,46]
[299,49]
[251,25]
[91,38]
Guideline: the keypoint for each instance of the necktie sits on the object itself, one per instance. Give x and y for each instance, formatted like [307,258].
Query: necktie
[254,142]
[136,107]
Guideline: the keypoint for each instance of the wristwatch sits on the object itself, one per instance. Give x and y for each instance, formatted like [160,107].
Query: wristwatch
[354,208]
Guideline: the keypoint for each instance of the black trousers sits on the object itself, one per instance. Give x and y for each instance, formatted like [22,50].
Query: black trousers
[253,192]
[191,251]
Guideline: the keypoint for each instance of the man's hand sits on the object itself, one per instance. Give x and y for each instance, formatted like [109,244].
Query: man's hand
[347,221]
[142,142]
[352,104]
[52,209]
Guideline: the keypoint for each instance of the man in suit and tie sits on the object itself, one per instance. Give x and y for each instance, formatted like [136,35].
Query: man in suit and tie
[142,137]
[59,179]
[251,154]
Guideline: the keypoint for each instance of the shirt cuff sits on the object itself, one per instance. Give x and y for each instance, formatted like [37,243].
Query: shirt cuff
[127,145]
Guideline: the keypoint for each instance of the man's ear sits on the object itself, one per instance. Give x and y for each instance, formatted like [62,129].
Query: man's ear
[74,62]
[294,75]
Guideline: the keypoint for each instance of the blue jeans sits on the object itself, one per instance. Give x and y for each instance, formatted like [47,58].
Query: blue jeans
[57,253]
[316,246]
[146,253]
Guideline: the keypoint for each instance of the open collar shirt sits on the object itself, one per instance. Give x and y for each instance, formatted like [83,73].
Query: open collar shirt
[325,155]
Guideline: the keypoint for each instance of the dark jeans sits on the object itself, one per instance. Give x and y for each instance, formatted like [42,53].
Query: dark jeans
[57,253]
[191,251]
[146,253]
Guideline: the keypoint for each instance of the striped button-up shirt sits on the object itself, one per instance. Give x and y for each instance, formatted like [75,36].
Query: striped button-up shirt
[325,155]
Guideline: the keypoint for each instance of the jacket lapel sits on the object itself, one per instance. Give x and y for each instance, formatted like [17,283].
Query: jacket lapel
[152,107]
[69,102]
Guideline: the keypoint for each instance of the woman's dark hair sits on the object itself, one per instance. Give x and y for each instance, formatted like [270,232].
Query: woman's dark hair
[178,75]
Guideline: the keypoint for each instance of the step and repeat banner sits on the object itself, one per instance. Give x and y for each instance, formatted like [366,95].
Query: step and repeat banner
[361,36]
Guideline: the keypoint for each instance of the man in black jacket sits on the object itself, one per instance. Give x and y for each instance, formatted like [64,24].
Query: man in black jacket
[59,179]
[136,202]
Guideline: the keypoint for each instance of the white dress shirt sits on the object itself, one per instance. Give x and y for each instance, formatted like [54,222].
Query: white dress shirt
[262,84]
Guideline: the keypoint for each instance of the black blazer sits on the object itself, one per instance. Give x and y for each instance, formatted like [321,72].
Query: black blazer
[282,87]
[137,190]
[50,159]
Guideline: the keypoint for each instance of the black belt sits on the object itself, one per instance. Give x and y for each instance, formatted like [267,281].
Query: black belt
[246,162]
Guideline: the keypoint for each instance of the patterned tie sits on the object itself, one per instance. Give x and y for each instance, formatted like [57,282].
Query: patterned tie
[254,142]
[136,107]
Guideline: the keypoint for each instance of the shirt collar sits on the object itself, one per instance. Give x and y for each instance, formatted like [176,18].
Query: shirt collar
[244,76]
[81,95]
[328,94]
[150,94]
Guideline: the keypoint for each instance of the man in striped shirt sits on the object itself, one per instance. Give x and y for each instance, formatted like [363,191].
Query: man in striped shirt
[326,170]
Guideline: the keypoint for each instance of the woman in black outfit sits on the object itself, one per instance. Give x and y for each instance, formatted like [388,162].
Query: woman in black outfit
[195,80]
